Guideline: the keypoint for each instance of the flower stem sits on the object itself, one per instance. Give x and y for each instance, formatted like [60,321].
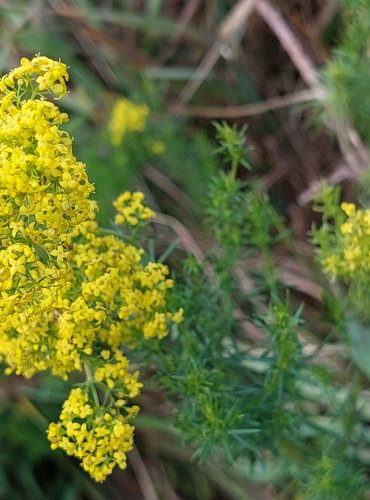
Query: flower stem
[91,383]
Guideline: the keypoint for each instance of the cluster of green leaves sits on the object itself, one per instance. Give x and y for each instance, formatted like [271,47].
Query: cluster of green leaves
[347,75]
[327,203]
[234,399]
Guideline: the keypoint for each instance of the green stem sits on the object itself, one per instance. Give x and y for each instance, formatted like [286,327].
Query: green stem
[91,383]
[234,168]
[269,269]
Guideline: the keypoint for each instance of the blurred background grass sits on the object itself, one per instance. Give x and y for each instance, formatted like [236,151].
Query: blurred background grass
[191,62]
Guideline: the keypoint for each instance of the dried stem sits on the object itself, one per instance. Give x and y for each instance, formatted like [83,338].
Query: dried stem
[240,111]
[142,474]
[226,33]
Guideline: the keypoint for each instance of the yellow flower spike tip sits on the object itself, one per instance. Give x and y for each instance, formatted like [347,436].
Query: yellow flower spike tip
[131,209]
[126,117]
[348,208]
[70,297]
[39,75]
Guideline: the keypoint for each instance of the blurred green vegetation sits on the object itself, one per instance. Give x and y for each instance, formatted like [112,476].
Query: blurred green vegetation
[258,382]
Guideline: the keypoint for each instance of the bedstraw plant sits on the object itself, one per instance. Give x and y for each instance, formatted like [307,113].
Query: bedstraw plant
[227,342]
[243,390]
[71,297]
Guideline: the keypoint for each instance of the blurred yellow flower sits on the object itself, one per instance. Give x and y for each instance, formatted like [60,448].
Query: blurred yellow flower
[126,117]
[157,148]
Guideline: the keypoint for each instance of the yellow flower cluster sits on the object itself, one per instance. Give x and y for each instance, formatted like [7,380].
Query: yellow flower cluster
[34,77]
[351,259]
[69,297]
[98,436]
[130,209]
[114,373]
[44,205]
[126,117]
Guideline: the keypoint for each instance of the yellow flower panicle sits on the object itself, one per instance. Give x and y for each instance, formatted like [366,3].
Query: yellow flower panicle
[100,437]
[40,75]
[44,205]
[126,117]
[131,210]
[351,259]
[65,290]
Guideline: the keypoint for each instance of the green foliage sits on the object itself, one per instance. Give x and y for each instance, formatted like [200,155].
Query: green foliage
[232,145]
[227,211]
[28,467]
[239,383]
[327,203]
[331,478]
[234,400]
[347,75]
